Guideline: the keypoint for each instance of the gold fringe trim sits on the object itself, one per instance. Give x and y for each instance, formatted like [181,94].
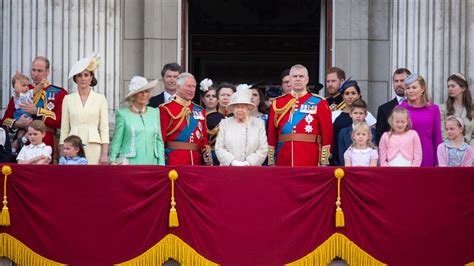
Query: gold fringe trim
[19,253]
[173,247]
[338,245]
[470,264]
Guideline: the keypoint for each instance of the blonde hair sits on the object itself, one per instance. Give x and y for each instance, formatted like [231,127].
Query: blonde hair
[426,97]
[38,125]
[359,127]
[402,111]
[19,76]
[459,122]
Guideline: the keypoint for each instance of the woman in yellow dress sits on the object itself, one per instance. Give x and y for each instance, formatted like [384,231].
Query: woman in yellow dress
[85,112]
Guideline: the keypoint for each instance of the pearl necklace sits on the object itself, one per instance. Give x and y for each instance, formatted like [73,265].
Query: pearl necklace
[135,109]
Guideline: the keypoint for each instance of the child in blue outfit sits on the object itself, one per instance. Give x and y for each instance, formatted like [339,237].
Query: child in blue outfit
[73,151]
[358,114]
[22,94]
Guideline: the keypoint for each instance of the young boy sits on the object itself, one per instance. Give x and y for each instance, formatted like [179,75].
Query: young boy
[37,152]
[358,114]
[22,94]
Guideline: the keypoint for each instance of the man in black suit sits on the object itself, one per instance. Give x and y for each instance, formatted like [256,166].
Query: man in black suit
[385,109]
[169,75]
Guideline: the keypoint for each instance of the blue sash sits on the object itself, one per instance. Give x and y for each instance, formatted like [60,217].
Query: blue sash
[298,115]
[188,130]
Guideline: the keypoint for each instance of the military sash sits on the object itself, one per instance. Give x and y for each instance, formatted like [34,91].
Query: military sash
[188,129]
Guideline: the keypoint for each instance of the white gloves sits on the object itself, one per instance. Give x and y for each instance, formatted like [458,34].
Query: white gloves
[239,163]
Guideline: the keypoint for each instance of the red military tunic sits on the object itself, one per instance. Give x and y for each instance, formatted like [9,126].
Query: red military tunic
[49,104]
[299,131]
[184,131]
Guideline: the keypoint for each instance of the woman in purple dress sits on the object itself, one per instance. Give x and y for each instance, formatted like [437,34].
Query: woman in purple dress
[425,116]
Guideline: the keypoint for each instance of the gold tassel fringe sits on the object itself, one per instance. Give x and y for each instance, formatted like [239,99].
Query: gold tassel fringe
[338,245]
[5,214]
[339,174]
[173,247]
[173,217]
[470,264]
[173,221]
[19,253]
[339,218]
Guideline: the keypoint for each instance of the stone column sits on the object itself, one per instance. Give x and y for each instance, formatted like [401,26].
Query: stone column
[150,41]
[433,38]
[64,31]
[362,46]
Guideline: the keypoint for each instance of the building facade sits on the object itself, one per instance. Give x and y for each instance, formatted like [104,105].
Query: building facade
[367,38]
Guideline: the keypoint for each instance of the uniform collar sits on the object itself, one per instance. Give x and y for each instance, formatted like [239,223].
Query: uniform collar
[298,95]
[182,101]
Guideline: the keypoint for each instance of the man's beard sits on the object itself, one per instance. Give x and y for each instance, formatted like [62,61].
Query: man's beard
[400,92]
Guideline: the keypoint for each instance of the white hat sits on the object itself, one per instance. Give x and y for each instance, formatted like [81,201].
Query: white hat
[242,96]
[89,63]
[139,84]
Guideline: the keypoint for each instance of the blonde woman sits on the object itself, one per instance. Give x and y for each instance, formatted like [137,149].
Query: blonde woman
[425,117]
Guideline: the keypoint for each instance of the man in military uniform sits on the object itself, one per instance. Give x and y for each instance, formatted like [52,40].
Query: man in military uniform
[300,128]
[183,126]
[46,106]
[334,78]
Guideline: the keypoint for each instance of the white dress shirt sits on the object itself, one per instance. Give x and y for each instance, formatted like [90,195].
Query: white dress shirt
[31,151]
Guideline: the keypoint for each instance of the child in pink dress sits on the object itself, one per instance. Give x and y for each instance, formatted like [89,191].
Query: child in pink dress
[454,151]
[401,145]
[362,152]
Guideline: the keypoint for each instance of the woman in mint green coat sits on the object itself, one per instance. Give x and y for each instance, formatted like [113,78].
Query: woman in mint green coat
[137,137]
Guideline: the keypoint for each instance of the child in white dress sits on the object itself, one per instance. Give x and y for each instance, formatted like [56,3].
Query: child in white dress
[362,152]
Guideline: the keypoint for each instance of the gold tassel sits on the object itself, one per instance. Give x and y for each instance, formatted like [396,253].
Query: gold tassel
[339,174]
[173,219]
[5,215]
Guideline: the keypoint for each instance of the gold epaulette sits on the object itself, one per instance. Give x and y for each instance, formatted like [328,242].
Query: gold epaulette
[319,96]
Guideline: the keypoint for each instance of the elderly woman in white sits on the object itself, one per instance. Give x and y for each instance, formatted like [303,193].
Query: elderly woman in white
[242,140]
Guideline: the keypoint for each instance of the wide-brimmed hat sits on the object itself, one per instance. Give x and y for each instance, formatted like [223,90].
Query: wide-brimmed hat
[139,84]
[88,63]
[242,96]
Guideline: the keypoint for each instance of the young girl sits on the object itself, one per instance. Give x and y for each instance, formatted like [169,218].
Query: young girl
[37,152]
[362,151]
[401,146]
[454,151]
[73,151]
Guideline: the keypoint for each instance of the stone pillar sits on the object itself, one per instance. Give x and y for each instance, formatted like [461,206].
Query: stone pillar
[433,38]
[64,32]
[362,46]
[150,39]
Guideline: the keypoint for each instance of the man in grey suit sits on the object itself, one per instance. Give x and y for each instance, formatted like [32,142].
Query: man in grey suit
[385,109]
[169,75]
